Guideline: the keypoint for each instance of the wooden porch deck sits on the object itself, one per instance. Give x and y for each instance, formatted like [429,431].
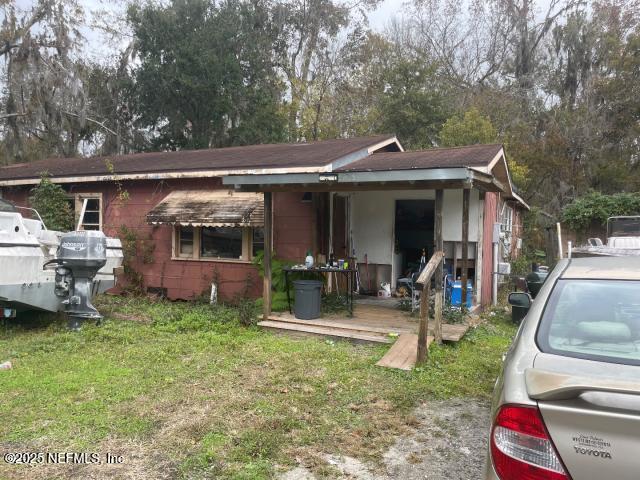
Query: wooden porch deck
[370,323]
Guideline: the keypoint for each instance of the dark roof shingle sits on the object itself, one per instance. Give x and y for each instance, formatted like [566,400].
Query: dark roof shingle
[468,156]
[312,154]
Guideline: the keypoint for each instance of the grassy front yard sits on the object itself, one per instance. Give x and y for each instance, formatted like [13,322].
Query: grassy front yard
[182,390]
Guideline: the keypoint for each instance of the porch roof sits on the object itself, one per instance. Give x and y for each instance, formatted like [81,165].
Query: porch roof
[480,166]
[367,180]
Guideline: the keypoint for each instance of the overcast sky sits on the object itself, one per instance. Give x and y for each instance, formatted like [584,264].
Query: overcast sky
[387,9]
[378,19]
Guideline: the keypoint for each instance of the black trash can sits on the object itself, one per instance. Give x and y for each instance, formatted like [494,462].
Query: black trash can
[518,311]
[307,299]
[535,280]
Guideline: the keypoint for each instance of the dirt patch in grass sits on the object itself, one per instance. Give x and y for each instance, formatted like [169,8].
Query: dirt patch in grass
[132,317]
[447,442]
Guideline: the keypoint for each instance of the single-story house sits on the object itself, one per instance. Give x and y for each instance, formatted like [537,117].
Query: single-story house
[194,218]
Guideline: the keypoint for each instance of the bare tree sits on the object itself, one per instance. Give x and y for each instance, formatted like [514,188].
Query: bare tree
[528,27]
[46,108]
[309,29]
[468,39]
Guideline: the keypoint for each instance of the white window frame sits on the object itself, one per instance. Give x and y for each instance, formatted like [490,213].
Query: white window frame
[247,246]
[79,199]
[507,219]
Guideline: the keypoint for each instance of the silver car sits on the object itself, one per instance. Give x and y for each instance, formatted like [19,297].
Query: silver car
[567,403]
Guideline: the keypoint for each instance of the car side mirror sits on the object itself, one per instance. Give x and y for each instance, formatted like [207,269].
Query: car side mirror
[520,299]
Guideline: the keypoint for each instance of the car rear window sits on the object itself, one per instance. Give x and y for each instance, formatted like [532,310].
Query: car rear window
[593,319]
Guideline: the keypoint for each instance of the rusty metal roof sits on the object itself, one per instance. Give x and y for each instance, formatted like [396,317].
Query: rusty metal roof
[209,208]
[468,156]
[312,154]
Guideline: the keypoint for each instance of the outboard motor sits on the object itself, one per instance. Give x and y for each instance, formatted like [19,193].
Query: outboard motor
[80,255]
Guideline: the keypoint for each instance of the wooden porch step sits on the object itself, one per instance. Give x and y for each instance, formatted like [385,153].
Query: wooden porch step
[325,331]
[403,354]
[450,332]
[353,325]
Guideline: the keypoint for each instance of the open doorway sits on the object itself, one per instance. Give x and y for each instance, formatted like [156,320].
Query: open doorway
[413,233]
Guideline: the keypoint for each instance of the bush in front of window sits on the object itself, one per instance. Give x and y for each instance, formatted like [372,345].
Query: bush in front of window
[51,202]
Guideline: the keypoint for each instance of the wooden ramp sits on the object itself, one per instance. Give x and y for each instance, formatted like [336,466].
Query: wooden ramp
[403,353]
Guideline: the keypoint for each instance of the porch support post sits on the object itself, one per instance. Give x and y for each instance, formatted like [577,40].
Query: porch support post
[424,280]
[455,261]
[437,326]
[466,194]
[423,327]
[268,243]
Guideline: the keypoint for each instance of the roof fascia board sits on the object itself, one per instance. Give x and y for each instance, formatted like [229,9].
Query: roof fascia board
[363,153]
[163,175]
[519,199]
[405,175]
[495,159]
[347,159]
[480,169]
[462,174]
[501,156]
[384,143]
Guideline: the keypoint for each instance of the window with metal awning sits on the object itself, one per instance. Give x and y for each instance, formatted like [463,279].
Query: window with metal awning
[212,225]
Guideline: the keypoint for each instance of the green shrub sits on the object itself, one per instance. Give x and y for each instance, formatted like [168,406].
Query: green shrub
[521,265]
[597,208]
[277,274]
[51,202]
[278,302]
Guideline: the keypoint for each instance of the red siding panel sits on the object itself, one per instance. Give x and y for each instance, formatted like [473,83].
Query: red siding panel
[292,223]
[183,279]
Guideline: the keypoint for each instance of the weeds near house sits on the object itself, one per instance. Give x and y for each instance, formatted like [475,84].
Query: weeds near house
[333,304]
[451,314]
[247,312]
[278,302]
[186,390]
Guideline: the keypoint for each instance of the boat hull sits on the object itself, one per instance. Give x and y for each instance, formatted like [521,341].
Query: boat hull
[27,279]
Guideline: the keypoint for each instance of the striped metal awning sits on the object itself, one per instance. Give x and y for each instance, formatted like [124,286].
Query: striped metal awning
[209,208]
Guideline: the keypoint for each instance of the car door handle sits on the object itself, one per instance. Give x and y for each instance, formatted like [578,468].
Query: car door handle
[546,385]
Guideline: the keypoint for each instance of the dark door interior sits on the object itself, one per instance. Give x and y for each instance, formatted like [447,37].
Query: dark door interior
[340,247]
[413,231]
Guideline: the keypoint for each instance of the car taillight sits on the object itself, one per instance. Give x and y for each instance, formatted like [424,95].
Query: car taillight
[521,448]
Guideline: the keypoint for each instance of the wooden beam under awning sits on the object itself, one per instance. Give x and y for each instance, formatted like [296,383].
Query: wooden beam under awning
[430,179]
[360,187]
